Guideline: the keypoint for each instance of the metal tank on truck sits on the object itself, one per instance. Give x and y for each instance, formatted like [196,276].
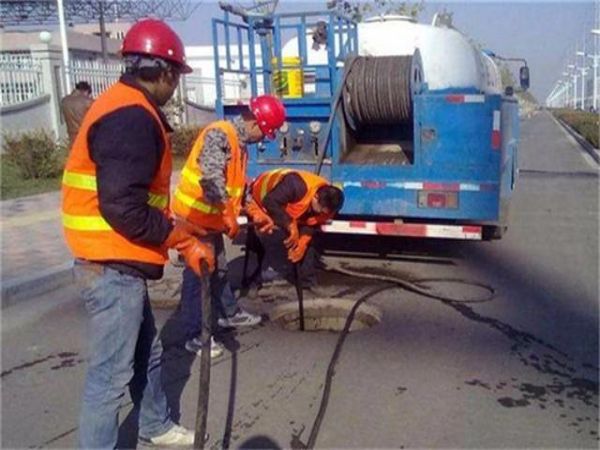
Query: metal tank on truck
[409,119]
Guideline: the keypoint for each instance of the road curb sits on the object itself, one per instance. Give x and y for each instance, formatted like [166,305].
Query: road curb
[593,152]
[27,287]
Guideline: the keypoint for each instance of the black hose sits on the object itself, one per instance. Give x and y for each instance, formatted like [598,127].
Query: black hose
[417,287]
[299,294]
[312,438]
[204,389]
[393,283]
[348,64]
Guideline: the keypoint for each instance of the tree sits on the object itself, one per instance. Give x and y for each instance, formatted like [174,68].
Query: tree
[358,10]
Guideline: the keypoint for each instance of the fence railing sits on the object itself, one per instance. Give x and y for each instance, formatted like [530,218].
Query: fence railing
[99,75]
[20,79]
[203,90]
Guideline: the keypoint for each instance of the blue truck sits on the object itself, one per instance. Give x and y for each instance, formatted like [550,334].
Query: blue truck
[410,120]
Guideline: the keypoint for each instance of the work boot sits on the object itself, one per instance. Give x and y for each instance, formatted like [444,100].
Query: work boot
[176,436]
[195,346]
[241,318]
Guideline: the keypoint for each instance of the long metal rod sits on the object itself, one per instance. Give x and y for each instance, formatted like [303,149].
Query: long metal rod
[204,389]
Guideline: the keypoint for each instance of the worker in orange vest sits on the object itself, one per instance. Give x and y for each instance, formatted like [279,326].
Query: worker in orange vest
[209,195]
[115,198]
[295,202]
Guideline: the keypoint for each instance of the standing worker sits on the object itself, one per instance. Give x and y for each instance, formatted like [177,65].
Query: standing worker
[295,202]
[209,195]
[74,106]
[116,223]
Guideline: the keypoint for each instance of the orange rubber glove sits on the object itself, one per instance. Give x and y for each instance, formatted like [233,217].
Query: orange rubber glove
[295,254]
[262,222]
[193,229]
[193,251]
[293,235]
[230,220]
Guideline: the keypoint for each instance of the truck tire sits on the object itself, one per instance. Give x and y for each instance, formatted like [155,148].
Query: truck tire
[493,232]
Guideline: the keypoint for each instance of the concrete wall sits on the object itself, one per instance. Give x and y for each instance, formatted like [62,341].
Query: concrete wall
[26,116]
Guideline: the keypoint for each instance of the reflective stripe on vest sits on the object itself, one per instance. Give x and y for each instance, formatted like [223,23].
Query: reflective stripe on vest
[89,183]
[195,204]
[195,179]
[85,223]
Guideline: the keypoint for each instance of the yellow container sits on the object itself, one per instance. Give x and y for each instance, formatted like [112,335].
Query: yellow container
[289,81]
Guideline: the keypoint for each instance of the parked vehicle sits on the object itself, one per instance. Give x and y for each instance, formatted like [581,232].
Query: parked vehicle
[411,120]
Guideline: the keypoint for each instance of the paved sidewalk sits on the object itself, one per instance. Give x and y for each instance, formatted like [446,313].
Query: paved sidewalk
[34,254]
[35,258]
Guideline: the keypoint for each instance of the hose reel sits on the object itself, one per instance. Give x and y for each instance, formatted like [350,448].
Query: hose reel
[379,90]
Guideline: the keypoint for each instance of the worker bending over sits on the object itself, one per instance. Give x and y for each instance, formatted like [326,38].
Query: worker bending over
[209,195]
[286,206]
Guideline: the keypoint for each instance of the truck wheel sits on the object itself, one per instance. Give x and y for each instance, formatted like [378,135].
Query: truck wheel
[491,232]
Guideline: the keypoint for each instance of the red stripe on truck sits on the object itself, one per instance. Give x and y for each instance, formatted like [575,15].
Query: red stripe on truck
[453,187]
[401,229]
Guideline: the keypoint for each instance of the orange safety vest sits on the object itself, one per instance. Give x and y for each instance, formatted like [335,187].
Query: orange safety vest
[88,234]
[266,182]
[188,199]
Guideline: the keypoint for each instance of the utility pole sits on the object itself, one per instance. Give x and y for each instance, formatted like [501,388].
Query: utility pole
[102,31]
[64,45]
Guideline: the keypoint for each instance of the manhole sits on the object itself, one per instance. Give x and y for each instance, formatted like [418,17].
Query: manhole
[327,314]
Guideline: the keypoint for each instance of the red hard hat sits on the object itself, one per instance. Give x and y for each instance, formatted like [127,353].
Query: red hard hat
[155,38]
[269,113]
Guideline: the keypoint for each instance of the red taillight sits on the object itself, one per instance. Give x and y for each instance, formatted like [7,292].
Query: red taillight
[429,199]
[435,200]
[496,135]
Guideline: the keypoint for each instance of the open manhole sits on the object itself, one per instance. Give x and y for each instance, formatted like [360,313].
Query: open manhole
[326,314]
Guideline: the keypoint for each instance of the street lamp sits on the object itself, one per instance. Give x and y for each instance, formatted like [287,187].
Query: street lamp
[595,58]
[574,75]
[583,72]
[45,37]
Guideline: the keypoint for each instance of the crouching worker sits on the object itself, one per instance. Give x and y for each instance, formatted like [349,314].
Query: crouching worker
[286,206]
[209,195]
[115,198]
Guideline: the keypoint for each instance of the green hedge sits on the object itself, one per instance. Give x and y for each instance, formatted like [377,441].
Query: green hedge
[32,162]
[182,139]
[36,154]
[585,123]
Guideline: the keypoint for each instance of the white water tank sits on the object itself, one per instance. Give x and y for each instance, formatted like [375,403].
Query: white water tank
[450,59]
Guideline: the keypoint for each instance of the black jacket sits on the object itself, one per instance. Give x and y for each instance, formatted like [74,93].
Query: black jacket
[127,147]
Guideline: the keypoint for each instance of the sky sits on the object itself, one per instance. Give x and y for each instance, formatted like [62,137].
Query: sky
[545,33]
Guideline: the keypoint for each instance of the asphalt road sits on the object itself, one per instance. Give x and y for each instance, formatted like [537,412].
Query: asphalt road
[520,371]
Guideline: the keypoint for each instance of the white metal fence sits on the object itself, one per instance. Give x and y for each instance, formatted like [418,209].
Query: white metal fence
[99,75]
[20,79]
[203,90]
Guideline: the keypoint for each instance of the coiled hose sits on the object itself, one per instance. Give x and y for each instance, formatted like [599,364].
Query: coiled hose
[378,91]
